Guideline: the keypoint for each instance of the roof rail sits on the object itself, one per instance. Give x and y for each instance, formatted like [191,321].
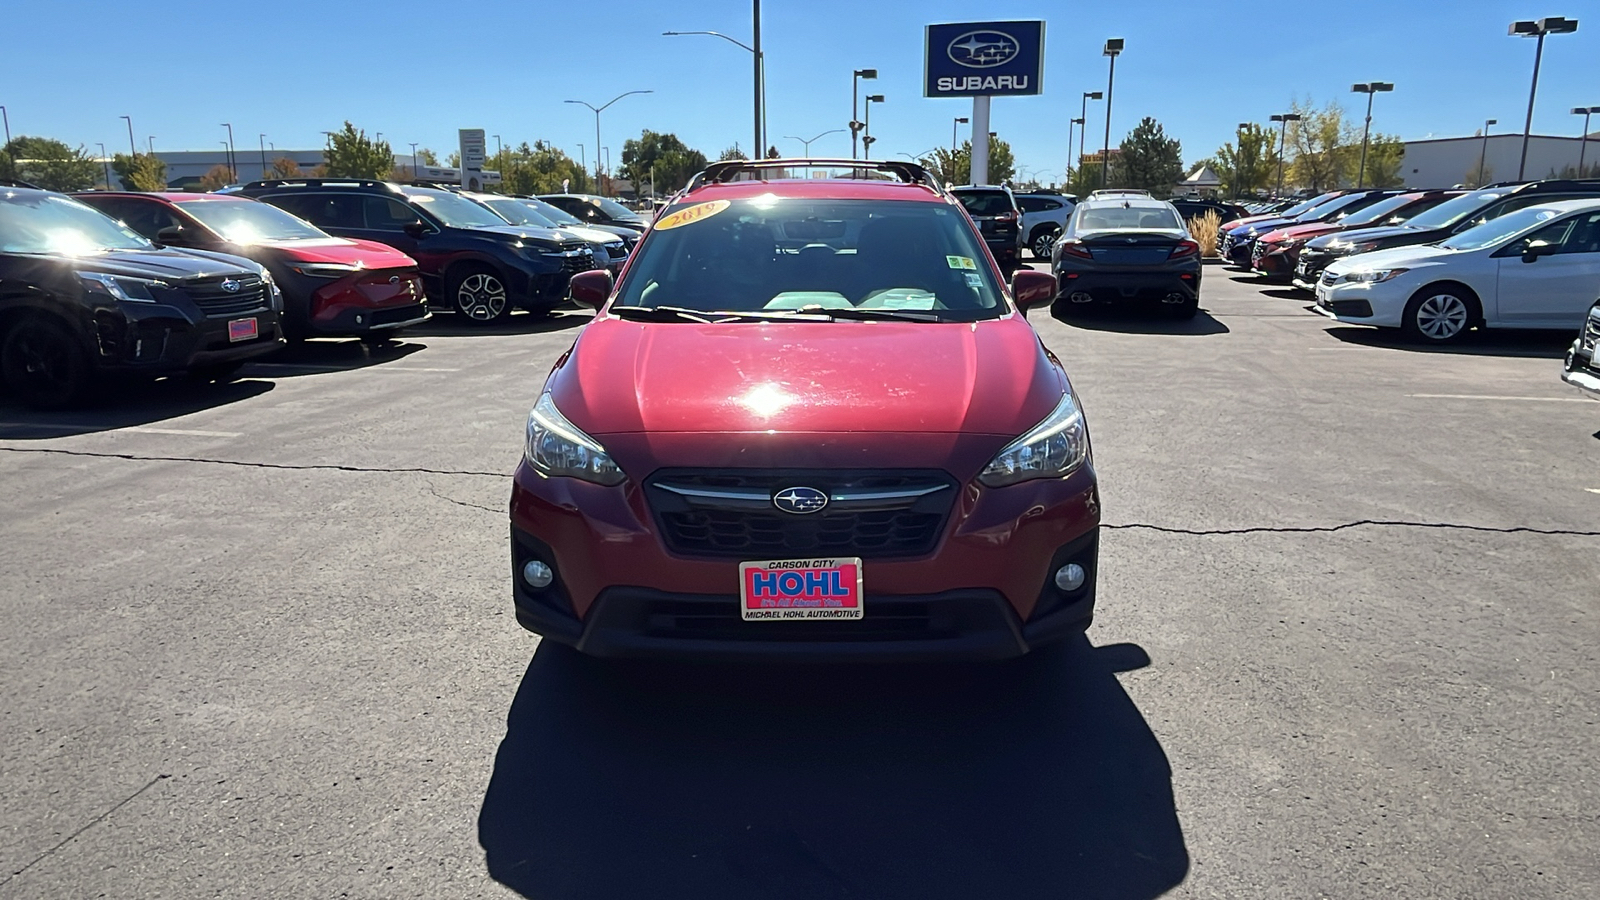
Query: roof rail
[317,182]
[727,170]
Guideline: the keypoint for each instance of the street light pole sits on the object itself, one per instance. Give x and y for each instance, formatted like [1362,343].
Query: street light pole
[1371,89]
[233,171]
[597,112]
[1083,119]
[867,139]
[150,143]
[855,123]
[760,59]
[105,163]
[133,149]
[807,143]
[1538,29]
[1483,151]
[1583,141]
[1283,138]
[1113,49]
[962,120]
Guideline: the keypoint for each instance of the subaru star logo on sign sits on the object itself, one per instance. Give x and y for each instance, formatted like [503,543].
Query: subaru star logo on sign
[973,59]
[800,500]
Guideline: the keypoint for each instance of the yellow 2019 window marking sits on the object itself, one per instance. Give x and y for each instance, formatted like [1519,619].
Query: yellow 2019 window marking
[690,215]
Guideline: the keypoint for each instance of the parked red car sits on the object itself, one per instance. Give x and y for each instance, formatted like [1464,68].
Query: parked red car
[810,421]
[1279,251]
[331,286]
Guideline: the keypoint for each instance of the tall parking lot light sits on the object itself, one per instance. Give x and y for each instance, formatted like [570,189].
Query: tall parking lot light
[760,75]
[1583,142]
[262,141]
[1537,29]
[1371,88]
[597,111]
[855,115]
[133,149]
[806,142]
[866,126]
[1112,49]
[233,170]
[1483,151]
[1083,117]
[1283,137]
[105,161]
[962,120]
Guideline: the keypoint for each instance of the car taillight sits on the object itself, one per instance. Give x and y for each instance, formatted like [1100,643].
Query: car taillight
[1184,248]
[1006,217]
[1074,248]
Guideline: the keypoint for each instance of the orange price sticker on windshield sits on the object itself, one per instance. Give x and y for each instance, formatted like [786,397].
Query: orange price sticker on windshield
[690,215]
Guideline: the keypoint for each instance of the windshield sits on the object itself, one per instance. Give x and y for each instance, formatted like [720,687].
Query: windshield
[457,212]
[986,203]
[518,213]
[1452,211]
[769,253]
[1496,230]
[1295,210]
[249,222]
[554,213]
[1327,208]
[47,223]
[1377,212]
[1126,218]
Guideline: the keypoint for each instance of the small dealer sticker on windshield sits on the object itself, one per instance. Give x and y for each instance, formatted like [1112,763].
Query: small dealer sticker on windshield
[960,262]
[689,215]
[800,589]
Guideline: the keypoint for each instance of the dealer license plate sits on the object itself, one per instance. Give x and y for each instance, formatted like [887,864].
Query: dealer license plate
[800,589]
[242,330]
[1301,267]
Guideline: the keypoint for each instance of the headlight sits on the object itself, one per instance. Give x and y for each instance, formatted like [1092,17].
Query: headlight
[322,270]
[122,287]
[1053,448]
[557,448]
[1347,247]
[1371,276]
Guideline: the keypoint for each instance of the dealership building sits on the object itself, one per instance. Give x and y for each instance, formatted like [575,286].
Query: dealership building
[1446,162]
[185,168]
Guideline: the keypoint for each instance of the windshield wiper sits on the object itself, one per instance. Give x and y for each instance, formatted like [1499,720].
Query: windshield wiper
[660,314]
[871,314]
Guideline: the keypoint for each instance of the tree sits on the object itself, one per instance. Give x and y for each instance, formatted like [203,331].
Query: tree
[732,153]
[141,172]
[219,176]
[1252,164]
[284,167]
[351,155]
[454,159]
[427,157]
[772,152]
[1322,142]
[1149,160]
[51,164]
[1385,155]
[956,168]
[538,169]
[661,159]
[1475,179]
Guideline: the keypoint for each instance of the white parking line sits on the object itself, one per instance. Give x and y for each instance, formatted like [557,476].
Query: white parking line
[136,429]
[289,367]
[1498,397]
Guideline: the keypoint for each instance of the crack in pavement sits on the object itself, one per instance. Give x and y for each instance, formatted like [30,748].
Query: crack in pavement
[90,824]
[1359,523]
[489,509]
[332,467]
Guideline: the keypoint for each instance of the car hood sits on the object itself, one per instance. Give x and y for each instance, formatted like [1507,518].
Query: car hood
[368,254]
[591,234]
[990,377]
[1357,235]
[1262,226]
[1299,232]
[1247,220]
[525,232]
[1391,258]
[165,264]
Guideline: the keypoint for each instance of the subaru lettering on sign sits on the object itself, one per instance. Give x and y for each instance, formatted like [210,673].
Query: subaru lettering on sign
[974,59]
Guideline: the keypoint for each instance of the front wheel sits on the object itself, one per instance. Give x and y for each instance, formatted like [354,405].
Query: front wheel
[1440,314]
[479,294]
[1043,243]
[43,365]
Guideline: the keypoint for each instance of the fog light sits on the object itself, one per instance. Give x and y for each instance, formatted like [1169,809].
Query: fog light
[538,575]
[1070,577]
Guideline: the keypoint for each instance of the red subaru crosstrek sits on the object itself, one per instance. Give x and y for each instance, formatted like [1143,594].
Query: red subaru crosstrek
[809,421]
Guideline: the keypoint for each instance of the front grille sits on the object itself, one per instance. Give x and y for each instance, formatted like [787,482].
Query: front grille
[219,303]
[728,513]
[581,262]
[1257,250]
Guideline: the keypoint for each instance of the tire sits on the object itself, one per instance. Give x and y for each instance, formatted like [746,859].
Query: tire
[217,372]
[1043,241]
[478,293]
[1440,314]
[43,365]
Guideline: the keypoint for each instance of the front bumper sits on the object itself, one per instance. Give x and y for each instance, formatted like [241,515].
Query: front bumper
[985,591]
[174,334]
[1275,263]
[359,304]
[1362,304]
[1582,367]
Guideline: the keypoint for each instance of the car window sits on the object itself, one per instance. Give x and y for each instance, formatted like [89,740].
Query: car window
[1584,236]
[791,254]
[144,216]
[554,213]
[986,203]
[457,212]
[249,222]
[1124,218]
[322,210]
[49,223]
[1502,227]
[387,214]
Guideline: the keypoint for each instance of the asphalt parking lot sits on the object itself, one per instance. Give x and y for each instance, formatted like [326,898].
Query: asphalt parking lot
[257,641]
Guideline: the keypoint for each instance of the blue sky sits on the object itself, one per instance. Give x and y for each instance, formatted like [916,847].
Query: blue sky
[418,71]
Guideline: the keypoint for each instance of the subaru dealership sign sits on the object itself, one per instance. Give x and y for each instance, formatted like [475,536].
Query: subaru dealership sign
[984,59]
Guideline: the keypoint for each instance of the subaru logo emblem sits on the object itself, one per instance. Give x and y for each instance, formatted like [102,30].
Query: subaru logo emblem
[800,500]
[231,286]
[983,49]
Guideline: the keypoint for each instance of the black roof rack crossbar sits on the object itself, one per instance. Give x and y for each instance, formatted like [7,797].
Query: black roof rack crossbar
[317,182]
[729,170]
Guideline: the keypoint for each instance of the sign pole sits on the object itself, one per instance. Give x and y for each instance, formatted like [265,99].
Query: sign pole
[980,140]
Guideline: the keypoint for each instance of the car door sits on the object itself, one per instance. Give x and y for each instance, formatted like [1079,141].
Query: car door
[1553,287]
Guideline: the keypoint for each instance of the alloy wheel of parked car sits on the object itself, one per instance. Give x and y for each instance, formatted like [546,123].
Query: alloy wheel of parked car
[1043,243]
[480,296]
[1438,316]
[42,365]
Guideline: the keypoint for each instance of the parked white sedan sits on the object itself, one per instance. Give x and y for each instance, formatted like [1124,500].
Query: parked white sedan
[1538,267]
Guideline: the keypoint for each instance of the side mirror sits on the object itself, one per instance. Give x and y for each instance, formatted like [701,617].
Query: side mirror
[591,288]
[172,234]
[1532,252]
[1031,288]
[415,229]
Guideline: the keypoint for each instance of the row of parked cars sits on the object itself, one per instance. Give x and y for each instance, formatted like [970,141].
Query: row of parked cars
[1435,264]
[160,283]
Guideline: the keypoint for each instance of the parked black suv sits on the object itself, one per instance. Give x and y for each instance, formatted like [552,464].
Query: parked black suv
[1194,207]
[592,210]
[1437,224]
[472,260]
[83,295]
[994,210]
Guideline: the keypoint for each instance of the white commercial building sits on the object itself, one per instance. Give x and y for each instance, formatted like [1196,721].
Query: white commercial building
[1445,162]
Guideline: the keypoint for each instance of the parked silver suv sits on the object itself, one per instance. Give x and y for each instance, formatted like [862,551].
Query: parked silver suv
[1044,217]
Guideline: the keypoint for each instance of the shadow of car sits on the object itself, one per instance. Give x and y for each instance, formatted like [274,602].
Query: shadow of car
[1031,778]
[124,404]
[1527,344]
[1126,322]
